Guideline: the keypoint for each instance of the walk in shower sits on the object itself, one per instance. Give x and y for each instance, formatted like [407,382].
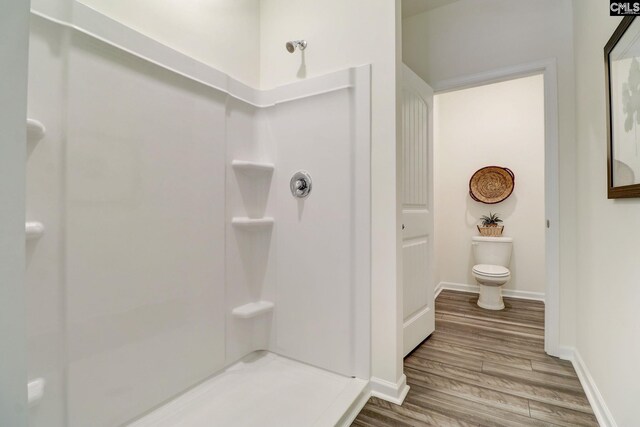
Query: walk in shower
[173,276]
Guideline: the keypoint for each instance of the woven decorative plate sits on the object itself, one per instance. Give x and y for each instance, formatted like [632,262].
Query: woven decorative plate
[491,184]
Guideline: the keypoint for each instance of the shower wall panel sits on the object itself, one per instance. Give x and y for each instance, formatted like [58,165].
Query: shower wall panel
[145,234]
[136,237]
[251,252]
[316,236]
[132,287]
[44,275]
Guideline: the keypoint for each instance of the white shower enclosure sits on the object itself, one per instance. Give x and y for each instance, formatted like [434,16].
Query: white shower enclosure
[167,244]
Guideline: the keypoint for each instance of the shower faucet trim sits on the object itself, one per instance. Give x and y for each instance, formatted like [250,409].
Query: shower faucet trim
[300,184]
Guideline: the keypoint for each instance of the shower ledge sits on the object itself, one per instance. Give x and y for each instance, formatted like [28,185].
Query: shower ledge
[35,130]
[252,309]
[33,229]
[248,223]
[252,167]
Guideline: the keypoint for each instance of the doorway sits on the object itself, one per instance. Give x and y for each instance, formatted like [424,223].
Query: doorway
[499,124]
[546,70]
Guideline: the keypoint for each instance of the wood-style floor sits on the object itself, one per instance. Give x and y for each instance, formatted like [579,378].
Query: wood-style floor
[485,368]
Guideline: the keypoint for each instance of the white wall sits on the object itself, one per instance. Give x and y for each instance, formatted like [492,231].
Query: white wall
[471,36]
[499,124]
[221,33]
[343,34]
[14,26]
[608,294]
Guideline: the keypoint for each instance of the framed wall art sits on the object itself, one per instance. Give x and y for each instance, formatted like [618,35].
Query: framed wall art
[622,77]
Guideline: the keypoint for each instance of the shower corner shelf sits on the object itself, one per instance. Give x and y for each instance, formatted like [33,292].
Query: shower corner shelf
[35,130]
[33,229]
[251,223]
[35,390]
[252,167]
[252,309]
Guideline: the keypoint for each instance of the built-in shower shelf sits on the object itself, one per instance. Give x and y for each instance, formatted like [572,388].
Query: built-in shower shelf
[33,229]
[251,223]
[35,130]
[35,390]
[252,167]
[253,309]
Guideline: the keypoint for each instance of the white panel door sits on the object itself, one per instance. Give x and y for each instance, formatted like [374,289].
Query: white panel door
[417,209]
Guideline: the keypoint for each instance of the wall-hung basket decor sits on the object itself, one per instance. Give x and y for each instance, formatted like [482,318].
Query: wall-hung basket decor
[491,184]
[622,77]
[491,231]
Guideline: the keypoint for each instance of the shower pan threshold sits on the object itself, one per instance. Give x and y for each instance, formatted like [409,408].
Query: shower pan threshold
[263,389]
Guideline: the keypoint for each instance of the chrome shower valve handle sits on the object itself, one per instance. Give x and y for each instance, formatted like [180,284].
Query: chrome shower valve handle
[300,184]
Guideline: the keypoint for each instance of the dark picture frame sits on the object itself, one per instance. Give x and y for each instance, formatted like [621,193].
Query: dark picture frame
[621,180]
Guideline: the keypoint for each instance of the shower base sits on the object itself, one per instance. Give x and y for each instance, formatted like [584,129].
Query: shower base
[263,389]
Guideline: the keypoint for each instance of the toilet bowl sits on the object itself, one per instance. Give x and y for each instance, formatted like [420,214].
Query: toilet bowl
[492,255]
[490,278]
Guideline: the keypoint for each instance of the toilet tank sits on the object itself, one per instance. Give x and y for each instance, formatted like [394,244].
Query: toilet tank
[492,250]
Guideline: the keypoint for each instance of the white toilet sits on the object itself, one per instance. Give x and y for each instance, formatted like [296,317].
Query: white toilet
[492,256]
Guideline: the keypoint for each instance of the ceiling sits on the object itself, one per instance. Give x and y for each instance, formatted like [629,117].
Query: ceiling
[415,7]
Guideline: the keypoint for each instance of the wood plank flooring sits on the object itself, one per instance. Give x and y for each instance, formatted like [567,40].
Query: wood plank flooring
[485,368]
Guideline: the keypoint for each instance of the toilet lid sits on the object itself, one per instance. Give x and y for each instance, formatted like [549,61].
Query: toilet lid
[491,270]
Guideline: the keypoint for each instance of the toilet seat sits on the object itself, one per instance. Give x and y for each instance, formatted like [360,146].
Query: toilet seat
[489,270]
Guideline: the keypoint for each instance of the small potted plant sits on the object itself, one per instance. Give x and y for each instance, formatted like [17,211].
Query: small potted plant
[490,225]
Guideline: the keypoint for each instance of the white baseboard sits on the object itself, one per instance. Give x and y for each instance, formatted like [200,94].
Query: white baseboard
[437,291]
[566,353]
[600,409]
[391,392]
[537,296]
